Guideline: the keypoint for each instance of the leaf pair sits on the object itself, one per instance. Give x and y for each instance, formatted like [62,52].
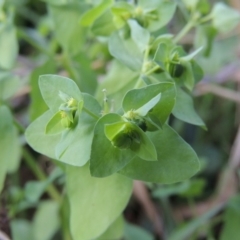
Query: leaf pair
[117,139]
[73,145]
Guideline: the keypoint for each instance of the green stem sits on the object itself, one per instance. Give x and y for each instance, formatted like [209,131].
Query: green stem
[206,19]
[91,113]
[38,172]
[20,128]
[151,70]
[184,31]
[66,61]
[21,33]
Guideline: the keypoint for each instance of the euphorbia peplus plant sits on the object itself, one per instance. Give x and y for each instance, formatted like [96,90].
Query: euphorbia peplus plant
[105,146]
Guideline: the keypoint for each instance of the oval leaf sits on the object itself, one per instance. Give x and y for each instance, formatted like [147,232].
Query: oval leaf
[177,161]
[92,207]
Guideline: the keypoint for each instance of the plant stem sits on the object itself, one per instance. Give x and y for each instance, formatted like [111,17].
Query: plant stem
[21,33]
[66,61]
[151,70]
[38,172]
[91,113]
[184,31]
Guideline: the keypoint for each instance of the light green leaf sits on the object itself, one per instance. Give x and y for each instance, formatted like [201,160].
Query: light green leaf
[187,77]
[184,109]
[176,160]
[77,148]
[54,126]
[34,189]
[50,85]
[38,140]
[46,220]
[105,158]
[90,16]
[103,26]
[191,4]
[68,32]
[191,55]
[116,79]
[142,111]
[139,35]
[37,104]
[9,145]
[224,18]
[92,207]
[205,35]
[8,44]
[21,229]
[133,232]
[115,230]
[9,84]
[164,11]
[126,51]
[136,98]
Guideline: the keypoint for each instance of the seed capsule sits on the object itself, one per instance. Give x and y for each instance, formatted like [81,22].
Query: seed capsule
[122,141]
[176,70]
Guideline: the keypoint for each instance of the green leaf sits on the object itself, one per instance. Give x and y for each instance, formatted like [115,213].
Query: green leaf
[231,219]
[104,26]
[224,18]
[136,98]
[90,16]
[184,109]
[34,189]
[165,191]
[205,35]
[84,76]
[92,207]
[37,104]
[176,160]
[195,188]
[46,220]
[126,51]
[54,126]
[164,11]
[132,232]
[9,145]
[142,111]
[191,4]
[21,229]
[117,78]
[8,44]
[188,77]
[77,148]
[191,55]
[139,35]
[9,84]
[68,32]
[51,85]
[184,232]
[145,149]
[115,230]
[105,158]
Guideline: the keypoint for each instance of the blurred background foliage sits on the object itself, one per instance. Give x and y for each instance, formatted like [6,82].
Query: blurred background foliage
[42,37]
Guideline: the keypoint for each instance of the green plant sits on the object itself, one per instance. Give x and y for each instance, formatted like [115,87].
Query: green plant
[103,135]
